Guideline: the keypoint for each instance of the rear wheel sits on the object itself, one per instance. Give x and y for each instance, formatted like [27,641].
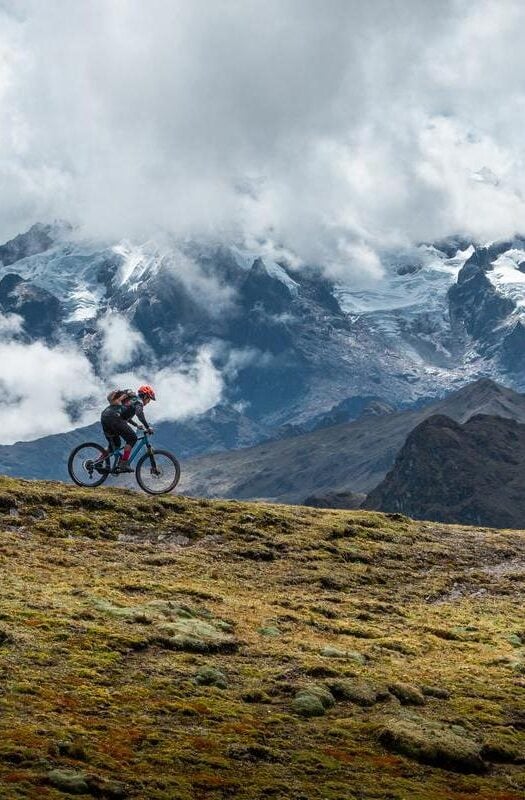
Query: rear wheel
[88,465]
[158,472]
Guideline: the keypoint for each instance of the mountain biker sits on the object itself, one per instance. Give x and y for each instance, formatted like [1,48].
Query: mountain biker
[116,420]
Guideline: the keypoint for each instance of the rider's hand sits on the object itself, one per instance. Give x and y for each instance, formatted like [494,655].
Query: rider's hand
[150,431]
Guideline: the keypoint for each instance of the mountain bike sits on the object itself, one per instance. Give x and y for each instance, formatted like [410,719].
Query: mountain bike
[157,471]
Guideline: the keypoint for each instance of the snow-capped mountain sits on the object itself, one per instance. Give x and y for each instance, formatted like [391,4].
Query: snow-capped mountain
[293,348]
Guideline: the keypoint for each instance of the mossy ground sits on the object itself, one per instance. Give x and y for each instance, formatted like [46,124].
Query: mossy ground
[113,604]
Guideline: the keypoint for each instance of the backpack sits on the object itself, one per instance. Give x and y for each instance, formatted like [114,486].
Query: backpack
[119,394]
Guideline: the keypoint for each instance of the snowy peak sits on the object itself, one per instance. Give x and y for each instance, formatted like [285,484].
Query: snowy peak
[136,263]
[37,239]
[442,315]
[407,284]
[269,286]
[507,276]
[36,309]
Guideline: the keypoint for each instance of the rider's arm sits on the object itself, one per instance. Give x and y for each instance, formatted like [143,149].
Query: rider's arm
[139,413]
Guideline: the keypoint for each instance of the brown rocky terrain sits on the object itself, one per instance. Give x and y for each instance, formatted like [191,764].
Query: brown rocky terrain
[472,473]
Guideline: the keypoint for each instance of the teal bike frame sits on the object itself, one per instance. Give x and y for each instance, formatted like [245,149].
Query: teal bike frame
[142,442]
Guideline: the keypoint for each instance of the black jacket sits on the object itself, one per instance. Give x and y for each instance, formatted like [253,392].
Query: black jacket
[134,408]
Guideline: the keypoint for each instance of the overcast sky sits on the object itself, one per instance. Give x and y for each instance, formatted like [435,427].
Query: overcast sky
[330,128]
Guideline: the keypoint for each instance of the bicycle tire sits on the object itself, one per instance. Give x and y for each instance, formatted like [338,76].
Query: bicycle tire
[76,478]
[146,457]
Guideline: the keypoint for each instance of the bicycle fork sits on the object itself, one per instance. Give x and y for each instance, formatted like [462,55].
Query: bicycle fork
[151,454]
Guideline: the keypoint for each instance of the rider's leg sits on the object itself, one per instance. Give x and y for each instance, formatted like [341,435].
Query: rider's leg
[130,437]
[113,444]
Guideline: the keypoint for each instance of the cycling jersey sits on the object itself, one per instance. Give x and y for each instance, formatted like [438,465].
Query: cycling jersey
[133,408]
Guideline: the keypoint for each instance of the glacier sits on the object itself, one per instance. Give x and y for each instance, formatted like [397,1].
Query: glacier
[313,343]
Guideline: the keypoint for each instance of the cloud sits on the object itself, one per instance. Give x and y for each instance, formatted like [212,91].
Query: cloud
[329,130]
[206,289]
[193,388]
[10,325]
[42,388]
[186,393]
[181,393]
[120,341]
[46,390]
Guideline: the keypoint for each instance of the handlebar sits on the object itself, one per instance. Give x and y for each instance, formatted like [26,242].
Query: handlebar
[145,432]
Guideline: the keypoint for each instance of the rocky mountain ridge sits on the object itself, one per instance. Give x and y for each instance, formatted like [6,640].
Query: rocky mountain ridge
[307,353]
[350,457]
[437,319]
[472,473]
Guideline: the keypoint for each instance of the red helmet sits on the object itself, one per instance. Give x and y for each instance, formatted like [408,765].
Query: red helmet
[146,391]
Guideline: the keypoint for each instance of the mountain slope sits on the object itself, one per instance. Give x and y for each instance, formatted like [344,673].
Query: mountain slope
[291,350]
[350,457]
[293,347]
[472,473]
[190,649]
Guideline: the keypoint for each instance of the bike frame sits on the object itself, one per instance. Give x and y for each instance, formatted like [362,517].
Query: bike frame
[145,464]
[142,442]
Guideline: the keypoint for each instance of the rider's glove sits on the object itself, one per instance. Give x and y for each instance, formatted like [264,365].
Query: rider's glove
[149,431]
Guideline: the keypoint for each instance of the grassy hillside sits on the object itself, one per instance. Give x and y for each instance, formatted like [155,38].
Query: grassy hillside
[183,649]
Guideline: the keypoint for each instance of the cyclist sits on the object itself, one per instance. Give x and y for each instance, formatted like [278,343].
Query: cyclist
[116,420]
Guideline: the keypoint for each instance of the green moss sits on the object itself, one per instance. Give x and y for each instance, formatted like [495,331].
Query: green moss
[308,705]
[431,745]
[269,630]
[313,700]
[195,636]
[69,781]
[139,668]
[210,676]
[323,693]
[328,651]
[407,695]
[359,693]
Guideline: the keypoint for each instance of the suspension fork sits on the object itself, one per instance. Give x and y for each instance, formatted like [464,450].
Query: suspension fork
[151,454]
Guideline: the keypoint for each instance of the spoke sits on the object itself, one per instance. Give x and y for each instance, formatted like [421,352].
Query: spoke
[158,477]
[87,464]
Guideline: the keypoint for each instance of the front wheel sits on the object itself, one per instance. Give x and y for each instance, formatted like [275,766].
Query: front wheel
[158,472]
[88,464]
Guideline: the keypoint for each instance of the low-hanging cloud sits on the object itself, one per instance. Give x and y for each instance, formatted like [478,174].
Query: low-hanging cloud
[181,393]
[120,341]
[44,390]
[205,289]
[49,389]
[331,130]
